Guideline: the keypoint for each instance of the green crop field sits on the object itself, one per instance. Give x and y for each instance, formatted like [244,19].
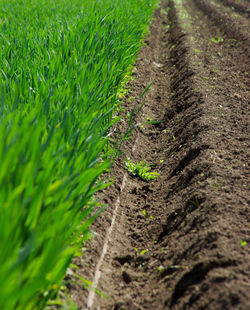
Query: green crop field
[62,63]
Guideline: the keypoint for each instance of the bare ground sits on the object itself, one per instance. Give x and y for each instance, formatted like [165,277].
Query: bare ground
[181,241]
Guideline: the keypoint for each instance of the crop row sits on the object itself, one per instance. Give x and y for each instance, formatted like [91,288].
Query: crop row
[61,65]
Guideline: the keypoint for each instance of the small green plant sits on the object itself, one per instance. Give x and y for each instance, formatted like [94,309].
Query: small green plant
[197,51]
[140,170]
[146,214]
[217,40]
[160,268]
[142,126]
[243,243]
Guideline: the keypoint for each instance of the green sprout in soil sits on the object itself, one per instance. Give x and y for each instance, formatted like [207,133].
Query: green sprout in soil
[146,214]
[160,268]
[140,170]
[217,40]
[197,51]
[143,252]
[243,243]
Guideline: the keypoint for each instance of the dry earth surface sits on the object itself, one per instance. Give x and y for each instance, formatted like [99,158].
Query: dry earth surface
[181,241]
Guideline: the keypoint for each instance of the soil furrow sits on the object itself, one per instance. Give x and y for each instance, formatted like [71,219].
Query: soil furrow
[213,76]
[242,7]
[237,29]
[181,240]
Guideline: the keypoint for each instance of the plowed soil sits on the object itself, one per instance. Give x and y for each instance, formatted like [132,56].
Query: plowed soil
[181,241]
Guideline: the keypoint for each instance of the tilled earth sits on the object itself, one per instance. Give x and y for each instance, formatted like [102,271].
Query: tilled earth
[181,241]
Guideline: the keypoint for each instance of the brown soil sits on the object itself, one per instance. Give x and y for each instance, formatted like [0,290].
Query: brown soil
[181,241]
[240,6]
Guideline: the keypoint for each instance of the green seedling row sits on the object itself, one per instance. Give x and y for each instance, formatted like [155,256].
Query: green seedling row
[62,63]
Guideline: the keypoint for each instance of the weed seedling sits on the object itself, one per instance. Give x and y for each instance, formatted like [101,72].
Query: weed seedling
[160,268]
[143,252]
[146,214]
[140,170]
[197,51]
[217,40]
[243,243]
